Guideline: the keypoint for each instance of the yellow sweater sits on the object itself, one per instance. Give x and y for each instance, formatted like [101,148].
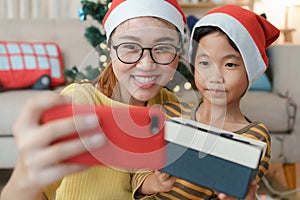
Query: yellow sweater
[98,182]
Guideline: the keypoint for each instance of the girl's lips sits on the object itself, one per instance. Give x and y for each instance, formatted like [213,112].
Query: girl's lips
[214,90]
[144,81]
[216,93]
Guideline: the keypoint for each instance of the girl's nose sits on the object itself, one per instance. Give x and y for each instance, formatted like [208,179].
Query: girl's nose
[212,75]
[216,77]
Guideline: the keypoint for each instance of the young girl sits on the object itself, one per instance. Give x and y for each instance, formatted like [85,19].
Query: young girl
[145,41]
[227,54]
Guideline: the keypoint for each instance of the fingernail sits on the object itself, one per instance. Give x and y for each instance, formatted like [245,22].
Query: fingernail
[91,120]
[97,139]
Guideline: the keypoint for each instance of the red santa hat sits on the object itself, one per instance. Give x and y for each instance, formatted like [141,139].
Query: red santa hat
[122,10]
[250,32]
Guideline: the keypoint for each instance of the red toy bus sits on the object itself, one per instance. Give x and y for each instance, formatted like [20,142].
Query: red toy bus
[35,65]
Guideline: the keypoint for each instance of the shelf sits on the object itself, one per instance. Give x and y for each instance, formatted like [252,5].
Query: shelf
[198,5]
[209,4]
[287,34]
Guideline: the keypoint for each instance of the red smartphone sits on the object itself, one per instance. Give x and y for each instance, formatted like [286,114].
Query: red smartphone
[134,135]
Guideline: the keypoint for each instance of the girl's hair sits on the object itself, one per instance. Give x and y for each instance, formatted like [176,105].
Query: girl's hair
[107,81]
[199,33]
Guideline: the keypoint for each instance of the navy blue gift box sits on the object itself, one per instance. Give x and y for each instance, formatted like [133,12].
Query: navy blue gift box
[212,158]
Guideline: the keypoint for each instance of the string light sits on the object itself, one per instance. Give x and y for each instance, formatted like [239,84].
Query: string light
[176,88]
[103,58]
[187,85]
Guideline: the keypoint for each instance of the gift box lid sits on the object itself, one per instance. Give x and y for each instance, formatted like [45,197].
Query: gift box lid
[216,142]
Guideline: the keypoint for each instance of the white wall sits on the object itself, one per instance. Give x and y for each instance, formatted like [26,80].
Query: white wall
[39,8]
[275,11]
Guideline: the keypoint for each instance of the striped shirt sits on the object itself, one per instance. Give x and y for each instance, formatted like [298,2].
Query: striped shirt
[183,190]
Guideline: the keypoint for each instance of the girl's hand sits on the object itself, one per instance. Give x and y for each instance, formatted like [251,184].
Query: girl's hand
[39,160]
[250,196]
[157,182]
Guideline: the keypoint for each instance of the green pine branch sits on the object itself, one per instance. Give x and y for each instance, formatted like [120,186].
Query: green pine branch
[96,10]
[94,36]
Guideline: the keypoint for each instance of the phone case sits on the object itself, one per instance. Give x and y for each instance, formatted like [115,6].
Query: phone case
[134,135]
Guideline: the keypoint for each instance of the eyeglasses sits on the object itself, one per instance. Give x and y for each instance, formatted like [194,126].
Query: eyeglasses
[130,53]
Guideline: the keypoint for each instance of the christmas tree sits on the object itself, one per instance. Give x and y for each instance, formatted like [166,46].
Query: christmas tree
[182,79]
[95,37]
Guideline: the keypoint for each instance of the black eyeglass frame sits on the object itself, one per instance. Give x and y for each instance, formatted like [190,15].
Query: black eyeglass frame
[115,47]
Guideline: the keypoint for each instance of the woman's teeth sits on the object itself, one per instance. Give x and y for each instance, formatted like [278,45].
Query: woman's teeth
[144,80]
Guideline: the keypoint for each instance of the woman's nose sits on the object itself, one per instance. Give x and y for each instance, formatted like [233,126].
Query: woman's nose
[146,62]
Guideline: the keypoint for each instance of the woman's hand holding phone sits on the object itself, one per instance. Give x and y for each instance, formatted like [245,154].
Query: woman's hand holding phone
[40,160]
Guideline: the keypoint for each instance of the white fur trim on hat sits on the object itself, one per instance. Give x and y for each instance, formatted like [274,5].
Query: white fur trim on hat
[138,8]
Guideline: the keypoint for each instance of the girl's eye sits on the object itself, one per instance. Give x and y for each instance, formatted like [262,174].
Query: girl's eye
[231,65]
[203,64]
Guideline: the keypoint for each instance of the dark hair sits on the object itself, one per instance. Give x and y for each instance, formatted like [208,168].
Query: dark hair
[201,32]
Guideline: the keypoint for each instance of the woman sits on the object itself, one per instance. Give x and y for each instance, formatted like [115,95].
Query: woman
[145,41]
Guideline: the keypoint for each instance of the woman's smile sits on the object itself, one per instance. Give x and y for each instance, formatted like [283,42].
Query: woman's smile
[144,81]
